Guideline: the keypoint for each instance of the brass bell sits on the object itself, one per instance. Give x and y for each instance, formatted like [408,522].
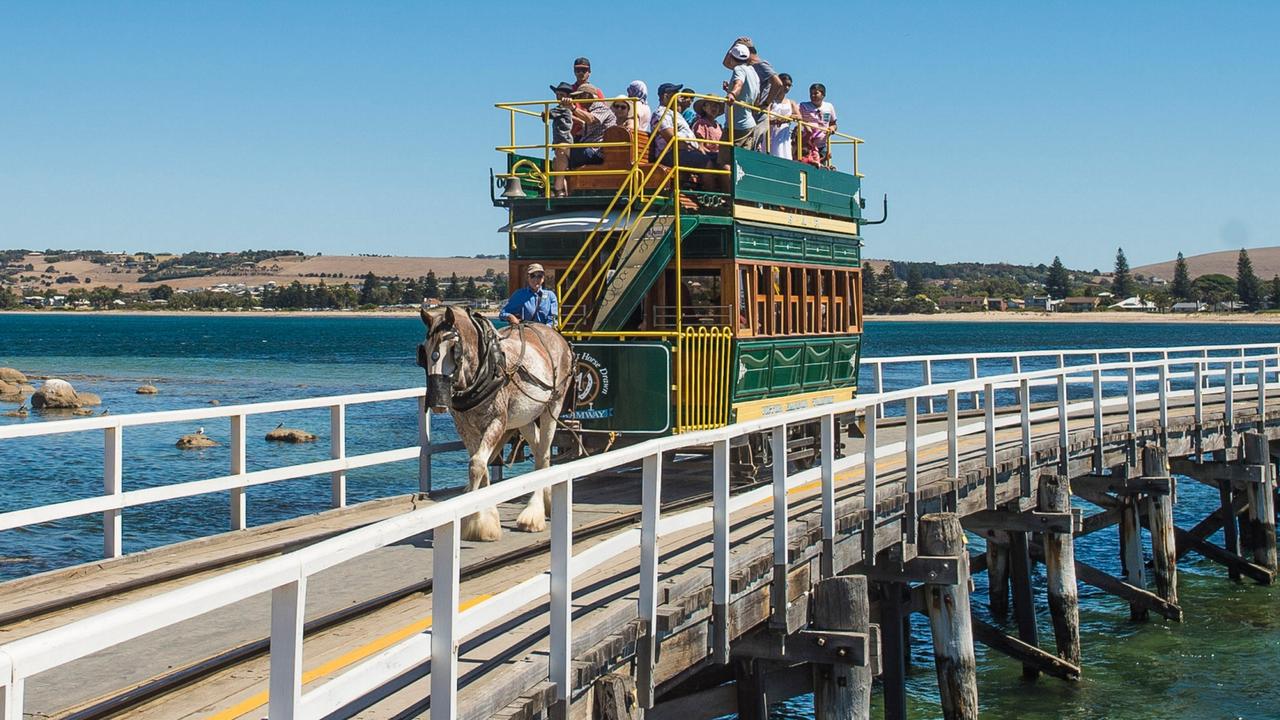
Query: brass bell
[512,188]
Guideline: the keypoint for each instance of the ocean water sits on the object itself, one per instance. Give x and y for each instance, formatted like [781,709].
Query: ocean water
[1213,665]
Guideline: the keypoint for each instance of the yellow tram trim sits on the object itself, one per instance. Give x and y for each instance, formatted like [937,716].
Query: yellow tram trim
[772,406]
[792,219]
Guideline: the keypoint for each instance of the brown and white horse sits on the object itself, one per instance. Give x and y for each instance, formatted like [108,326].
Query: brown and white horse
[493,382]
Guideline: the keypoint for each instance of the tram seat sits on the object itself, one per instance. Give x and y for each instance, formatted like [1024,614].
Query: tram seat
[617,158]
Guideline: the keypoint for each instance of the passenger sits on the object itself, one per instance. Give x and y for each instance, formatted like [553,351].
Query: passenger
[640,91]
[560,119]
[782,121]
[667,124]
[582,75]
[622,114]
[532,303]
[707,127]
[820,118]
[594,118]
[685,106]
[742,86]
[770,89]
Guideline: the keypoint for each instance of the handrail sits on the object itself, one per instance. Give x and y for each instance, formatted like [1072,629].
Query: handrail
[115,499]
[286,576]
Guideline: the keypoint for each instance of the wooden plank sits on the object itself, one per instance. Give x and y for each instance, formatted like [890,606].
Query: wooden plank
[1134,595]
[1028,655]
[1241,567]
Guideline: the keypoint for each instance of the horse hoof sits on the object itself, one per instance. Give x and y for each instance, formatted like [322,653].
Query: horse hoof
[482,527]
[531,520]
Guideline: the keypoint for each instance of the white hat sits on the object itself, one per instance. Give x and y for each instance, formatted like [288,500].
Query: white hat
[739,52]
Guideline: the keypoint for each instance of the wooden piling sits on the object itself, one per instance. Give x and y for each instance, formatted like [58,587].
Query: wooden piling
[1060,568]
[1024,609]
[748,677]
[1262,512]
[1131,551]
[894,651]
[615,698]
[1159,509]
[948,610]
[1230,536]
[842,691]
[998,573]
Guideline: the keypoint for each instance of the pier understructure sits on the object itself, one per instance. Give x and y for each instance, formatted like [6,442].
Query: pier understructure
[665,586]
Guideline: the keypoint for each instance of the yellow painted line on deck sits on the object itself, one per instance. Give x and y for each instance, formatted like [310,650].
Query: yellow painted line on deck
[345,660]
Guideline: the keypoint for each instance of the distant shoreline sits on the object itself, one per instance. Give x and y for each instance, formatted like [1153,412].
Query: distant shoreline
[980,317]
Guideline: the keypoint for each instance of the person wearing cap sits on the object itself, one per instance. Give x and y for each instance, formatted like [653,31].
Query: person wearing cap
[685,105]
[582,76]
[589,114]
[621,107]
[532,303]
[771,90]
[666,125]
[560,119]
[742,86]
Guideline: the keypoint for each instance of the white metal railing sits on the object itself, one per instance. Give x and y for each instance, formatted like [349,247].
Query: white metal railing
[286,576]
[114,498]
[922,367]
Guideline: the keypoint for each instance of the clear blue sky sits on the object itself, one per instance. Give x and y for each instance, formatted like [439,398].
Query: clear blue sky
[1011,131]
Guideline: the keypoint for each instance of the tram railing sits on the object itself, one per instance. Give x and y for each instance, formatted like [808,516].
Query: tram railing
[115,499]
[286,576]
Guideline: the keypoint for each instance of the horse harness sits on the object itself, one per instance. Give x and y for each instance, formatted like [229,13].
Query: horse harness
[492,372]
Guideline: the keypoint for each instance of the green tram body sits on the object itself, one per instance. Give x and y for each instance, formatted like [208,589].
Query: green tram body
[750,349]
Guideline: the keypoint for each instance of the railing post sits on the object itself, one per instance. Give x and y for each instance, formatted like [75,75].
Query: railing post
[912,473]
[560,661]
[112,485]
[827,448]
[720,540]
[1262,395]
[953,435]
[1199,409]
[424,447]
[778,591]
[869,548]
[1228,390]
[11,700]
[239,501]
[1064,434]
[338,451]
[1164,401]
[1131,390]
[1024,401]
[928,380]
[288,606]
[1097,422]
[650,510]
[989,422]
[446,562]
[878,374]
[973,375]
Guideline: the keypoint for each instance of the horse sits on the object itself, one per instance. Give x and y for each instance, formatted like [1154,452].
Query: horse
[492,382]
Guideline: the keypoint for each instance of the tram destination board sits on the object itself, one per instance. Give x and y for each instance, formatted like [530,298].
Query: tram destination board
[622,386]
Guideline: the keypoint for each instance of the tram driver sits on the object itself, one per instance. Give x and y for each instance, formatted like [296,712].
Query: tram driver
[532,303]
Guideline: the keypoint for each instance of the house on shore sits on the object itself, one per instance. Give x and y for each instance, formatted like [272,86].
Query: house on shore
[962,302]
[1134,304]
[1189,306]
[1080,303]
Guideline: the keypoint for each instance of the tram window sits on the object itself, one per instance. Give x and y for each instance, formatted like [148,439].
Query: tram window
[746,299]
[855,300]
[760,285]
[776,299]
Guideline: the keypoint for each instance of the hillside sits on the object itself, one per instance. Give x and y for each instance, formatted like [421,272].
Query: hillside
[1266,263]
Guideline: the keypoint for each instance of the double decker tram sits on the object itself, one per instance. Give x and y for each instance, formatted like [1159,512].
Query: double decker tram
[693,297]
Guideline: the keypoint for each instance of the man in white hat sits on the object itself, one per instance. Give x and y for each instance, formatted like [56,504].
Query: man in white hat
[532,303]
[742,86]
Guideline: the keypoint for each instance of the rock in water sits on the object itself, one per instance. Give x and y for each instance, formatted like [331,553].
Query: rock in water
[215,402]
[147,390]
[196,440]
[55,394]
[88,399]
[10,392]
[9,375]
[290,435]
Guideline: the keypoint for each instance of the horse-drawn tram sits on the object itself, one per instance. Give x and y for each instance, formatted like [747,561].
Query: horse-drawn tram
[695,294]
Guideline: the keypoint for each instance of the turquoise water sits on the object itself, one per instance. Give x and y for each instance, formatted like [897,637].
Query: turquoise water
[1214,665]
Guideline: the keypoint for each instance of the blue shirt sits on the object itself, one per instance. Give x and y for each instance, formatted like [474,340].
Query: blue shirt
[540,307]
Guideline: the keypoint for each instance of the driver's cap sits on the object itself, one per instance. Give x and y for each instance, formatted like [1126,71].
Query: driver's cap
[534,268]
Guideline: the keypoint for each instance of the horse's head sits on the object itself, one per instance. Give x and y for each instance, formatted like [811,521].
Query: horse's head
[441,354]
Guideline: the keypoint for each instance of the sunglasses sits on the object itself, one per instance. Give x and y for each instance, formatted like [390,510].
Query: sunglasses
[580,71]
[619,106]
[537,275]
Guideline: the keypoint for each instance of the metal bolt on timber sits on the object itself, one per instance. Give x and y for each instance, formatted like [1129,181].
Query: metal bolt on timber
[948,610]
[842,691]
[1060,564]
